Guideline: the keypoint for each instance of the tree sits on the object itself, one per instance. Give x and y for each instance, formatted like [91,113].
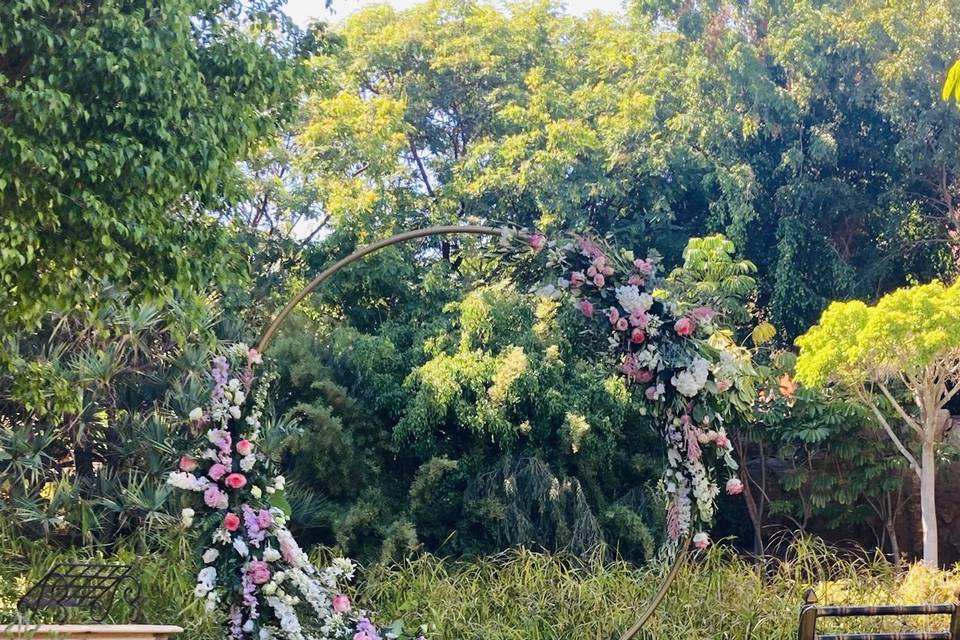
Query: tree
[120,127]
[903,352]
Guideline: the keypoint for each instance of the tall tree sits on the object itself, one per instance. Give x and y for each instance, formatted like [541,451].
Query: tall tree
[121,123]
[903,352]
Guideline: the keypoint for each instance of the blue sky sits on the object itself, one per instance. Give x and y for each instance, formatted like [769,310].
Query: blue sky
[303,10]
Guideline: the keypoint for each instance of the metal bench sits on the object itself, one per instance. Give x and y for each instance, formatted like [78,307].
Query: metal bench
[88,586]
[810,613]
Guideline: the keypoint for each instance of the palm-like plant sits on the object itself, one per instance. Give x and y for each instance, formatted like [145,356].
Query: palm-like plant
[89,425]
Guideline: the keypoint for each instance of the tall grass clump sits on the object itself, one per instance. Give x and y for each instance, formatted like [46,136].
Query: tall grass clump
[521,594]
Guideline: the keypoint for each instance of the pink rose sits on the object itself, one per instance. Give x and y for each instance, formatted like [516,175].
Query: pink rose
[599,280]
[591,271]
[264,519]
[684,327]
[635,280]
[217,471]
[637,336]
[214,498]
[622,324]
[651,393]
[341,604]
[259,572]
[734,487]
[236,481]
[536,242]
[722,441]
[585,307]
[613,315]
[188,464]
[244,447]
[577,279]
[231,522]
[644,376]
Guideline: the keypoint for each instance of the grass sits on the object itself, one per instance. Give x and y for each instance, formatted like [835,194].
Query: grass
[520,594]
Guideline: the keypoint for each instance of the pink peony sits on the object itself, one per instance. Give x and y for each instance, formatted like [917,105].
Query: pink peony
[643,266]
[577,279]
[341,604]
[585,307]
[701,541]
[684,327]
[244,447]
[214,498]
[259,572]
[188,464]
[622,324]
[639,319]
[217,471]
[703,314]
[599,280]
[536,241]
[644,376]
[637,336]
[231,522]
[734,487]
[236,481]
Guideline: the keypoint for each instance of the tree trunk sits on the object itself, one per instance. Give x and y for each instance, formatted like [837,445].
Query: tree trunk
[928,504]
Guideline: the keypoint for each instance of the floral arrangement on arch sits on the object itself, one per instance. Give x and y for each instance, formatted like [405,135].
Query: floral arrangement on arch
[672,353]
[255,577]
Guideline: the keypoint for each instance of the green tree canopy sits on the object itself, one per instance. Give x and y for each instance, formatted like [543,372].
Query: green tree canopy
[120,127]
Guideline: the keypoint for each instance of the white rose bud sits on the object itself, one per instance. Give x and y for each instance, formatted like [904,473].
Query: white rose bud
[256,491]
[196,414]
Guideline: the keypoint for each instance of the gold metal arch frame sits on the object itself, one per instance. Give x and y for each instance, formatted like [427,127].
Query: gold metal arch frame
[271,330]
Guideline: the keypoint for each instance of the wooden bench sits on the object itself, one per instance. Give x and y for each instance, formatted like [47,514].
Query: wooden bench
[810,613]
[90,632]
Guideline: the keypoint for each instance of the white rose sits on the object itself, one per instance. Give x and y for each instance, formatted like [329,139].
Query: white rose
[186,517]
[210,555]
[235,412]
[270,588]
[279,482]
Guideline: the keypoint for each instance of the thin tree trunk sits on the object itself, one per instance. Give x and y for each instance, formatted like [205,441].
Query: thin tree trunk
[928,504]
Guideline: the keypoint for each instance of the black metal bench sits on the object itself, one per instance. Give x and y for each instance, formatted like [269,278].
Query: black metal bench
[810,613]
[89,586]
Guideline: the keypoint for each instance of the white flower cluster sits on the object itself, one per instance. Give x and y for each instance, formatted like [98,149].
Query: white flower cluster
[633,300]
[691,380]
[187,481]
[206,581]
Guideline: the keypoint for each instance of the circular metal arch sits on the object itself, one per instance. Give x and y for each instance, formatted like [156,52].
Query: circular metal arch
[271,330]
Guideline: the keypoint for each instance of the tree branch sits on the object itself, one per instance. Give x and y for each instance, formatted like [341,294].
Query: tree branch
[868,400]
[913,424]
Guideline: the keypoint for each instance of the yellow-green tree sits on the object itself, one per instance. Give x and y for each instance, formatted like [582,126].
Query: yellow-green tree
[900,357]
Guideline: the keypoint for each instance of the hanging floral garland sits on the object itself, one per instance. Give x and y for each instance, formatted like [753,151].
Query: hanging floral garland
[677,361]
[261,584]
[255,577]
